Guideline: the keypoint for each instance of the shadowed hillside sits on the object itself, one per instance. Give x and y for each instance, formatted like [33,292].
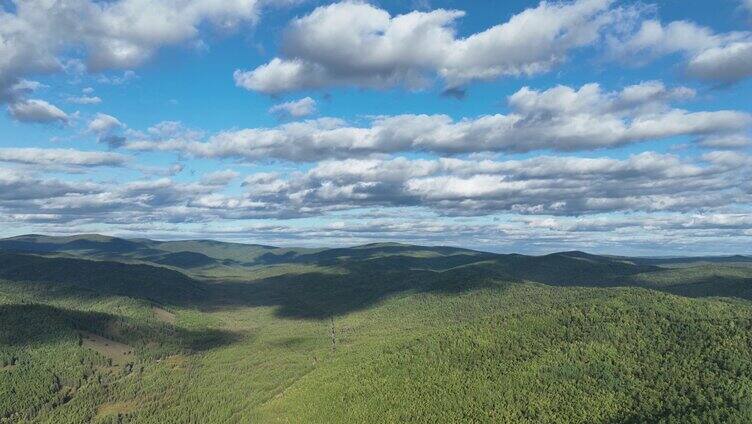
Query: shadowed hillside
[318,283]
[105,277]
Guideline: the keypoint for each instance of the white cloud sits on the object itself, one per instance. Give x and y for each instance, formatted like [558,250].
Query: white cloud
[103,123]
[354,43]
[84,100]
[61,157]
[732,141]
[27,86]
[294,109]
[543,185]
[727,63]
[42,36]
[108,129]
[219,178]
[561,118]
[643,201]
[133,29]
[556,186]
[18,188]
[124,33]
[167,129]
[35,110]
[721,58]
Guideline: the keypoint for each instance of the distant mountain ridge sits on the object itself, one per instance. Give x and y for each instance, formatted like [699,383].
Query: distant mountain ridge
[206,254]
[178,271]
[186,253]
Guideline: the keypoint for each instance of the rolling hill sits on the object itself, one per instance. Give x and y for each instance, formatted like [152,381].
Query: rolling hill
[103,277]
[101,329]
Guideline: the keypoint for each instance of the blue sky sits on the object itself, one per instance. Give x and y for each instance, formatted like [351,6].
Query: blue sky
[606,126]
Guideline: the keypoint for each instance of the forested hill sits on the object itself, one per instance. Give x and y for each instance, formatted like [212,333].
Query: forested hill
[105,277]
[192,254]
[107,330]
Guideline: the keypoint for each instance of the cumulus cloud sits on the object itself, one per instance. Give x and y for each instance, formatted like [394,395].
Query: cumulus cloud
[541,185]
[16,92]
[547,201]
[35,110]
[107,128]
[717,57]
[61,157]
[727,63]
[545,186]
[41,36]
[27,193]
[357,44]
[19,190]
[103,123]
[561,118]
[295,108]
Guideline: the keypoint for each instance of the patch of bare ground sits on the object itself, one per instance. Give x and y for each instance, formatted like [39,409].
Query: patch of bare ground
[118,353]
[164,315]
[176,361]
[114,409]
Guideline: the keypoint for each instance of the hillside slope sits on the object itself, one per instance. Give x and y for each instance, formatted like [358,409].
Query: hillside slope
[536,354]
[105,277]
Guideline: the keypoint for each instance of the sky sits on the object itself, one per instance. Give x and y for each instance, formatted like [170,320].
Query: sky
[615,127]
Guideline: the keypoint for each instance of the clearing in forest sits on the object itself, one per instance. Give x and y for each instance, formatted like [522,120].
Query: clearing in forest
[119,353]
[110,409]
[164,315]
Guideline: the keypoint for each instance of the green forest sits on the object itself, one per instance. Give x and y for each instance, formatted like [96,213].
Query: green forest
[106,330]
